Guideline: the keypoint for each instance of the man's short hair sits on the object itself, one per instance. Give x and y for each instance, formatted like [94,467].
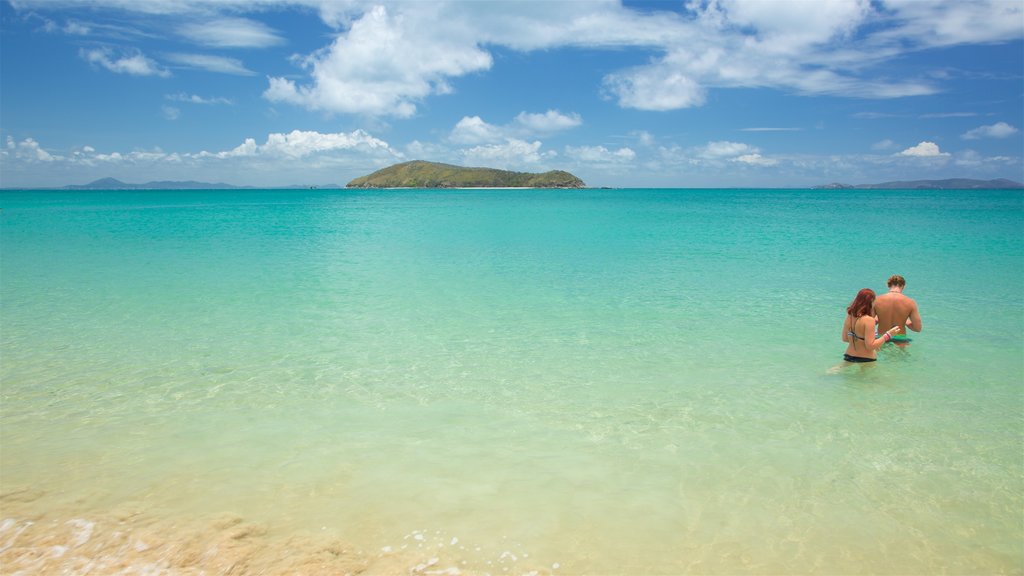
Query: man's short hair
[896,280]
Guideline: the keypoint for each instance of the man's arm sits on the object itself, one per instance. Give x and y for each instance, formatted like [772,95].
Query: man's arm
[914,322]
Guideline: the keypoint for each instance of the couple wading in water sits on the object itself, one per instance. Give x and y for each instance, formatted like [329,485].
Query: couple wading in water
[893,313]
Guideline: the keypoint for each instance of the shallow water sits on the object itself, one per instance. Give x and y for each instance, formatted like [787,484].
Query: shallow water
[613,381]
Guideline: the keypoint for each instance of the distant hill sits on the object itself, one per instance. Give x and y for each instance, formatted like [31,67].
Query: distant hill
[421,174]
[115,184]
[949,184]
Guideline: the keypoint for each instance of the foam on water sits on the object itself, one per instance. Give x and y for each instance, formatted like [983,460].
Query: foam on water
[506,382]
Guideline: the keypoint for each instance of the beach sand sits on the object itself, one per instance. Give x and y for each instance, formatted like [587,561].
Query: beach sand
[129,539]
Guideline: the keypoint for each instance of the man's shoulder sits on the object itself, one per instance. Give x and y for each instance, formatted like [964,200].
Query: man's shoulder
[897,297]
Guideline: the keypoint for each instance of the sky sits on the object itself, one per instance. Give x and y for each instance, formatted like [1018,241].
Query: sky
[694,93]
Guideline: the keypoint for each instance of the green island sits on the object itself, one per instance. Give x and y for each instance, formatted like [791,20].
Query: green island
[422,174]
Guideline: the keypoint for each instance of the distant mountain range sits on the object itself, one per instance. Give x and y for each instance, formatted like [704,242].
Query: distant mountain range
[115,184]
[949,184]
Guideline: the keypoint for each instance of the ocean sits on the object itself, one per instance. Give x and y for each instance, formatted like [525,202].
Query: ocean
[634,381]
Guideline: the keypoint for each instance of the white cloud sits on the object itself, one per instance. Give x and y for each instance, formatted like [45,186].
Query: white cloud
[77,28]
[171,113]
[600,154]
[29,150]
[513,153]
[767,129]
[656,88]
[643,137]
[135,63]
[283,159]
[383,65]
[725,149]
[220,64]
[886,144]
[548,122]
[789,27]
[932,24]
[299,144]
[950,115]
[388,56]
[474,130]
[751,43]
[997,130]
[972,159]
[196,99]
[923,150]
[755,160]
[231,33]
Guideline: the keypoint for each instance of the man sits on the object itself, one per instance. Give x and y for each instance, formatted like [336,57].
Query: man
[897,309]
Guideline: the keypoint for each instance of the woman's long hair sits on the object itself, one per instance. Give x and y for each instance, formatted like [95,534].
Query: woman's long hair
[862,304]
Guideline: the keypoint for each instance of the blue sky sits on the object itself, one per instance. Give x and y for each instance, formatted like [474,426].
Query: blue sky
[717,93]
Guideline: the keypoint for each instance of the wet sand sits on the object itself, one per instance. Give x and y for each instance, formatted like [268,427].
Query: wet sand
[132,540]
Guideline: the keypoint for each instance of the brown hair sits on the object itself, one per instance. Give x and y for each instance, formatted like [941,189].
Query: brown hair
[896,280]
[862,304]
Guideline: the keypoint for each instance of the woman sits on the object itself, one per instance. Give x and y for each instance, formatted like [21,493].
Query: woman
[859,329]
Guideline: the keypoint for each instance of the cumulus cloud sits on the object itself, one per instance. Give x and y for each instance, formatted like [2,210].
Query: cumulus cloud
[997,130]
[210,63]
[383,65]
[387,57]
[171,113]
[231,33]
[29,150]
[923,150]
[299,144]
[755,160]
[934,24]
[513,153]
[972,159]
[474,130]
[283,158]
[656,88]
[725,149]
[134,63]
[600,154]
[285,146]
[548,122]
[750,43]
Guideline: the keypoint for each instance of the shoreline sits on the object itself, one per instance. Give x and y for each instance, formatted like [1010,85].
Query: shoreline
[131,539]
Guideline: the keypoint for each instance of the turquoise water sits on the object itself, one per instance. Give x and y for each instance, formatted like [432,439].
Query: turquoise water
[507,381]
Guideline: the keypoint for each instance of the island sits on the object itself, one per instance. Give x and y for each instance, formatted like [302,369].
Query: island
[948,184]
[422,174]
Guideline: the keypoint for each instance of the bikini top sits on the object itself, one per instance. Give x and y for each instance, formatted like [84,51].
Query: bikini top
[853,325]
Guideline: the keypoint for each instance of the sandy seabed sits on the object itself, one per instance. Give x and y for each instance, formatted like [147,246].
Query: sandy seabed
[130,540]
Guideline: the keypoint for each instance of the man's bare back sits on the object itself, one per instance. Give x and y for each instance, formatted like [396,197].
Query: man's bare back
[897,309]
